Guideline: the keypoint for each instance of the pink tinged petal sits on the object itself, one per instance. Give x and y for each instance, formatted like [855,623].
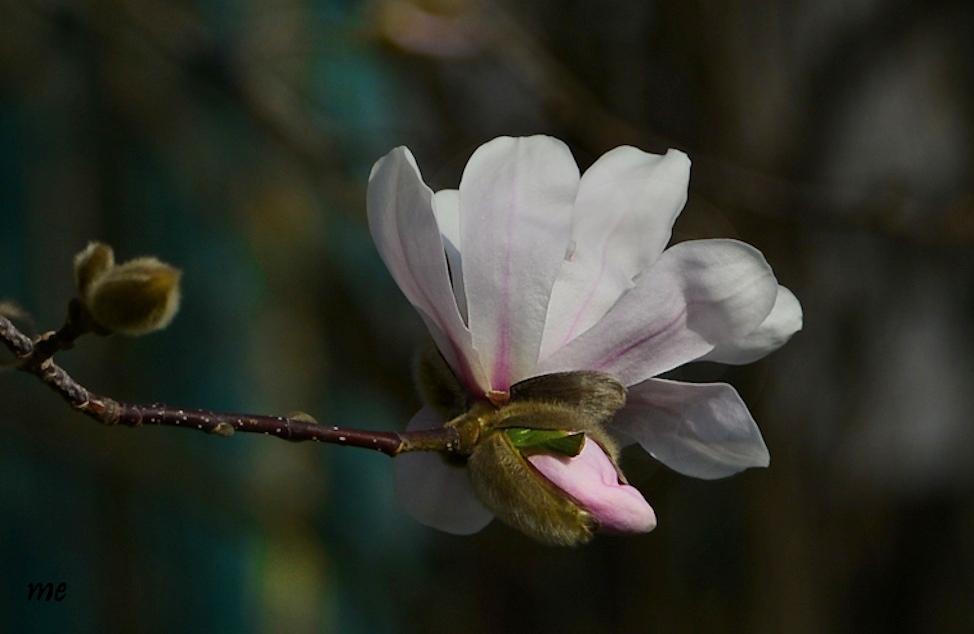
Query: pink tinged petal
[697,295]
[700,430]
[435,492]
[592,481]
[516,200]
[623,217]
[404,228]
[446,206]
[777,328]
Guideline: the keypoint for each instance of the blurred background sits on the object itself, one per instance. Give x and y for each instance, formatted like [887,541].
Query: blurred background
[234,140]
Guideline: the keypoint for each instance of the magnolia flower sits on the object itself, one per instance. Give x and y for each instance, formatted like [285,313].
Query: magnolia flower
[530,270]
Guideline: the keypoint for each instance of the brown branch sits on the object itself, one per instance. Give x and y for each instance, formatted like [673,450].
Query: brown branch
[36,358]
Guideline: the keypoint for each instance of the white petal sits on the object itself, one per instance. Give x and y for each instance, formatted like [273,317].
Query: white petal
[434,492]
[404,228]
[446,206]
[784,320]
[516,199]
[697,295]
[700,430]
[623,216]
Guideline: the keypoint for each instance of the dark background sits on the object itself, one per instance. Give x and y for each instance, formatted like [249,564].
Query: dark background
[234,140]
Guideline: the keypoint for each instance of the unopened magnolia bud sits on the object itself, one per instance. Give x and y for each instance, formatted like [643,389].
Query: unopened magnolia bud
[519,495]
[134,298]
[557,416]
[592,479]
[95,260]
[517,492]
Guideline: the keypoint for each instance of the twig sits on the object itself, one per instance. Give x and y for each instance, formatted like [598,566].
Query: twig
[36,358]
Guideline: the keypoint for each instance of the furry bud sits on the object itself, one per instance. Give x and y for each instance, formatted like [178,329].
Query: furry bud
[92,263]
[572,413]
[520,496]
[134,298]
[538,456]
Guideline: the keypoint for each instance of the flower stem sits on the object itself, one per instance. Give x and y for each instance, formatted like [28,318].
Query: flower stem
[37,358]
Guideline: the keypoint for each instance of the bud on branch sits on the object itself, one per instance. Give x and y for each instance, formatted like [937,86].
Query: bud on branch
[140,296]
[133,298]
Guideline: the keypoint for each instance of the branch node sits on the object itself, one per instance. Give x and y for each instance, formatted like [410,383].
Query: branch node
[108,412]
[222,429]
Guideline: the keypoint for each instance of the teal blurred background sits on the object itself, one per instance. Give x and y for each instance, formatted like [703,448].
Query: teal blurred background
[234,140]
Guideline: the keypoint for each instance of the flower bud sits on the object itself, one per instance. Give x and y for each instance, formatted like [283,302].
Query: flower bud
[520,496]
[593,480]
[92,263]
[539,457]
[133,298]
[550,470]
